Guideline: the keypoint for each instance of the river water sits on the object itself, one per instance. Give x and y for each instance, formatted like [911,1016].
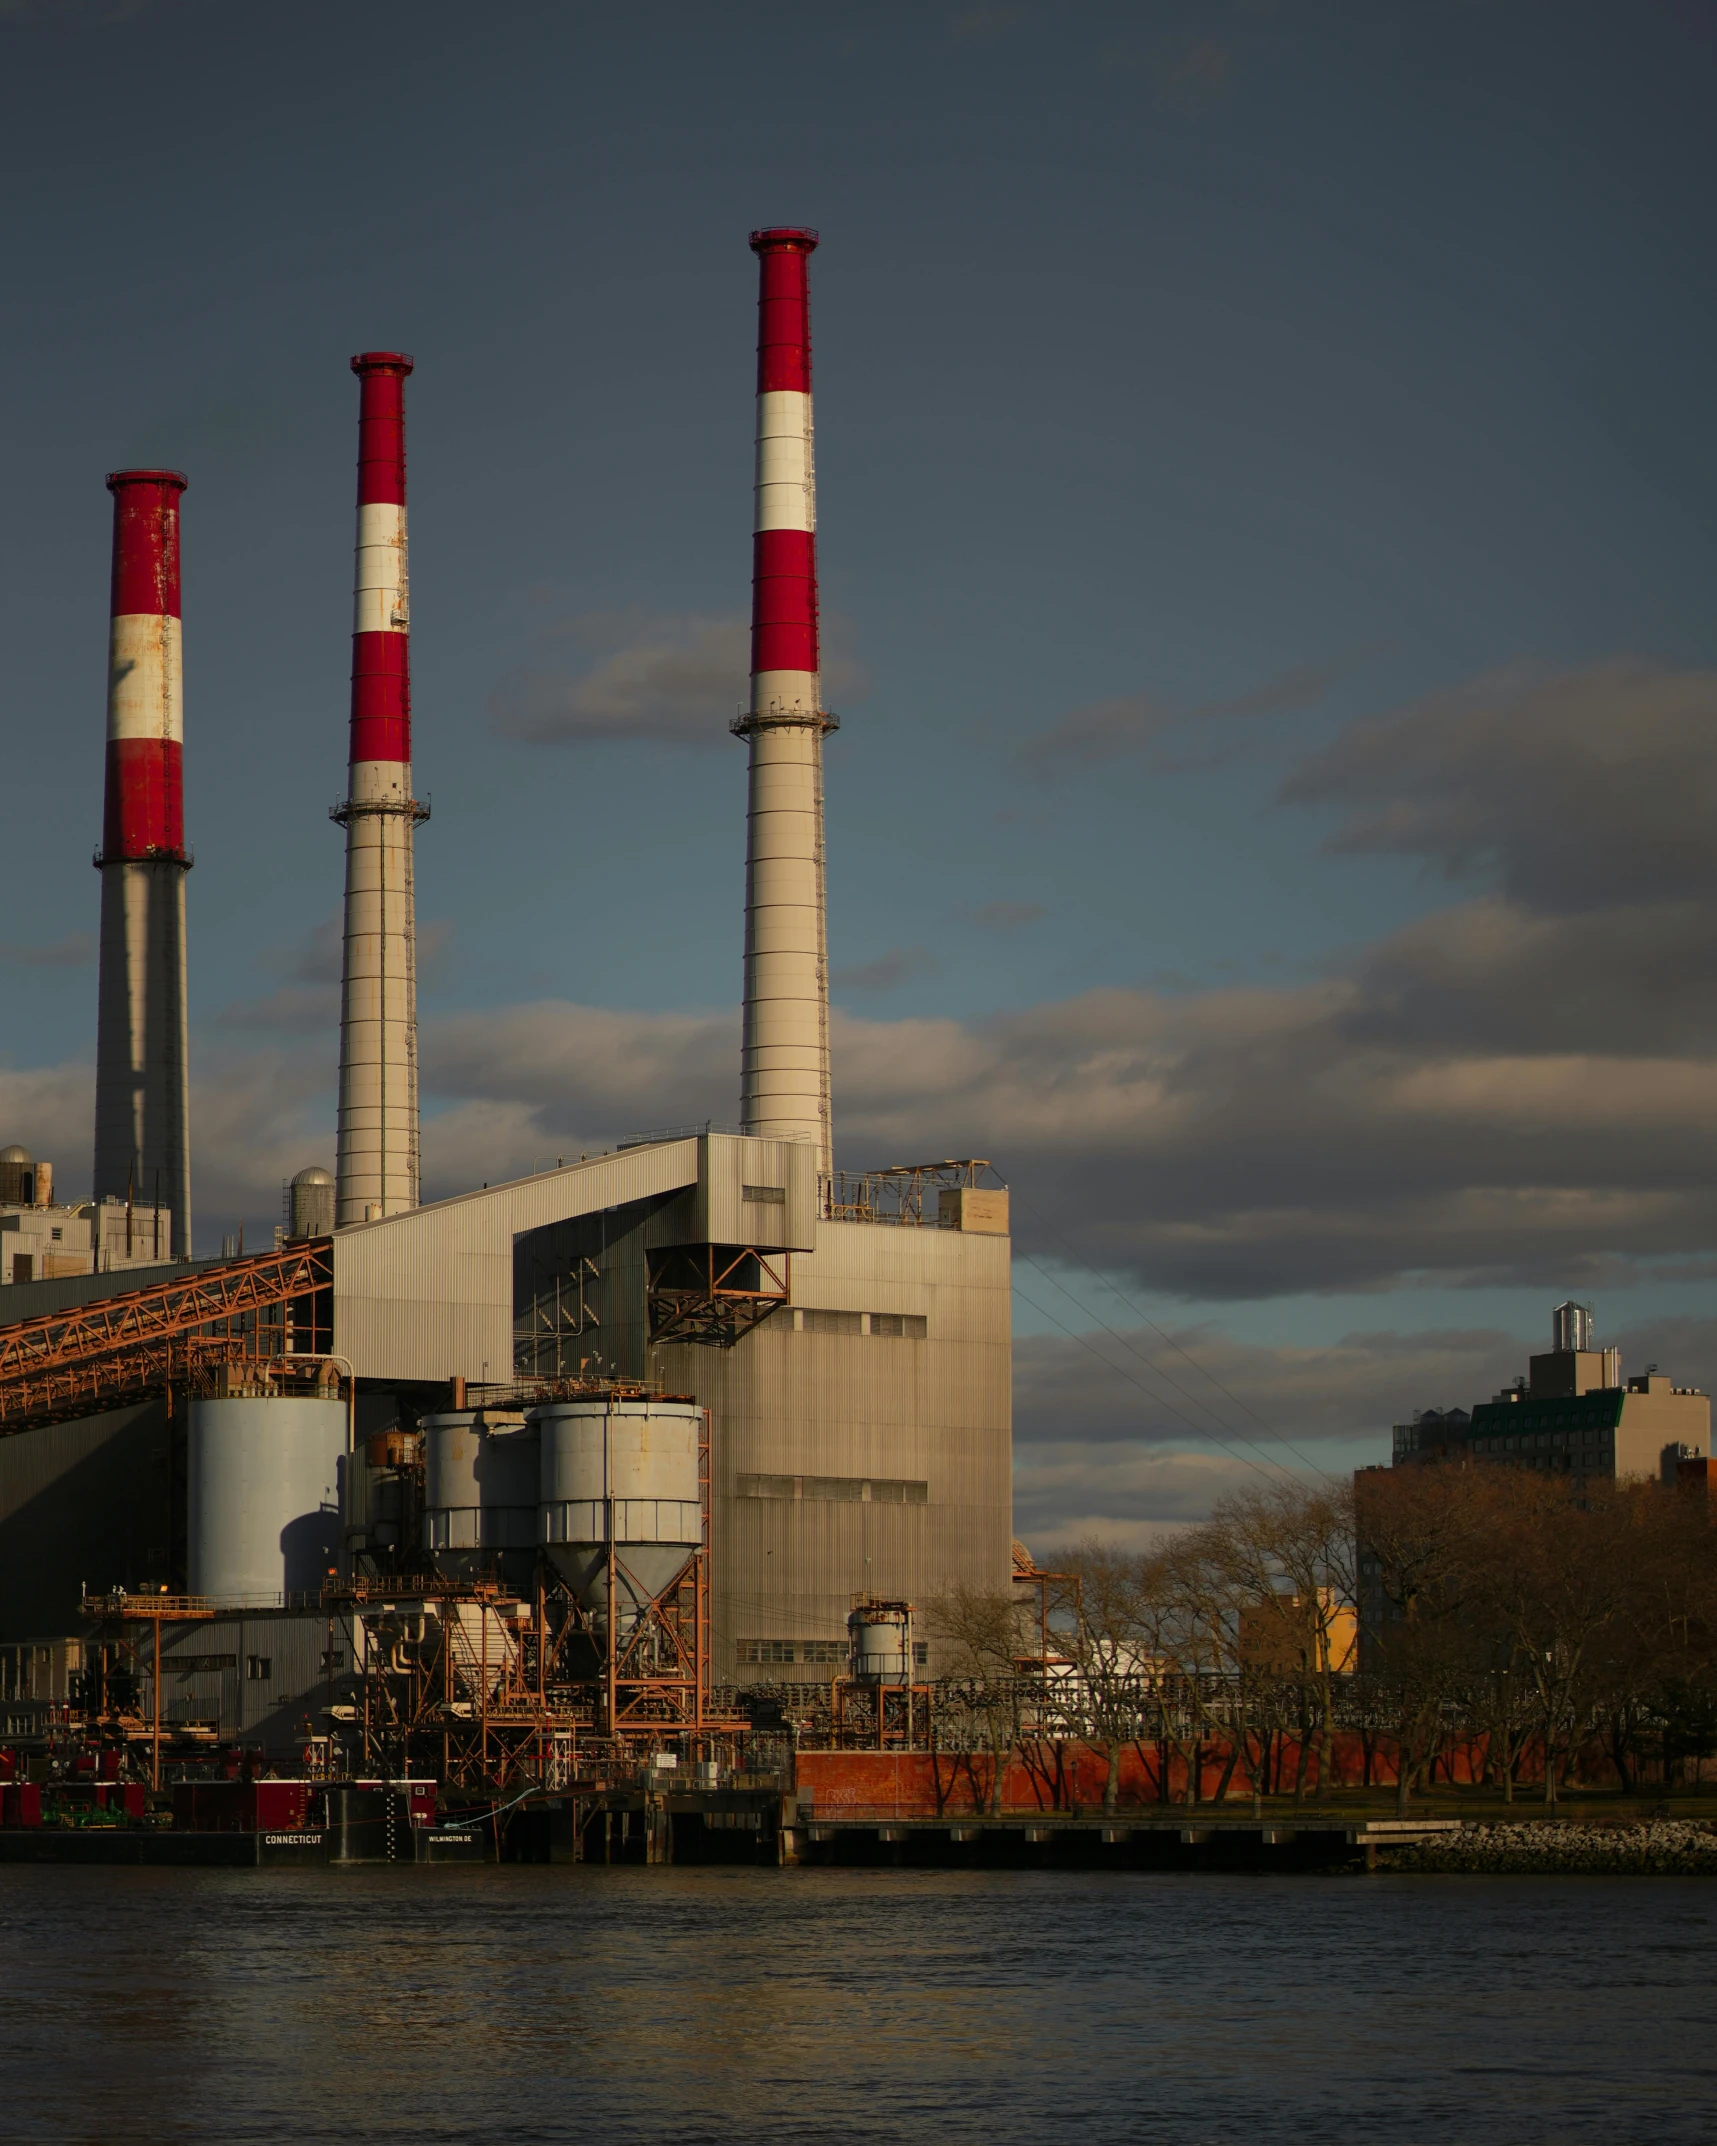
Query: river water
[615,2005]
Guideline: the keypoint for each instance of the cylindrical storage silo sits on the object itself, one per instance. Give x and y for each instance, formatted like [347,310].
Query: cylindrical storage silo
[509,1478]
[450,1496]
[480,1490]
[263,1496]
[626,1472]
[311,1204]
[880,1634]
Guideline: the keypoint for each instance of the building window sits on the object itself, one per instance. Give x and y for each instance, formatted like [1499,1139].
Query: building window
[835,1489]
[56,1234]
[820,1653]
[884,1325]
[258,1667]
[764,1195]
[332,1658]
[829,1322]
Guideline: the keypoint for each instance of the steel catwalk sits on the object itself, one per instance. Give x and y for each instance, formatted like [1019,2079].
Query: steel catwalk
[142,1133]
[785,1052]
[377,1160]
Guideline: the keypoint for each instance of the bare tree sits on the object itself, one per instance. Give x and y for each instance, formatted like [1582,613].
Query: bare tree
[979,1635]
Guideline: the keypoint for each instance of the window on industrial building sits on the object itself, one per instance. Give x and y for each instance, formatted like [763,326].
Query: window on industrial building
[258,1667]
[188,1665]
[764,1195]
[829,1322]
[332,1658]
[819,1653]
[883,1325]
[836,1489]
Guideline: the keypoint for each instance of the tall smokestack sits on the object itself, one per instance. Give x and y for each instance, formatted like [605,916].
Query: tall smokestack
[785,1059]
[142,1136]
[377,1158]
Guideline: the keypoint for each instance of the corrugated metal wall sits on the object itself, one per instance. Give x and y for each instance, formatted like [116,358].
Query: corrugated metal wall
[795,1404]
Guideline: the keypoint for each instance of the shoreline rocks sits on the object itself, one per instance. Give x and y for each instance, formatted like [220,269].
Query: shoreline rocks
[1659,1846]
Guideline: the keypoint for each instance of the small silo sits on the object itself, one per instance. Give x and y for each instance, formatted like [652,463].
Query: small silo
[310,1204]
[263,1495]
[620,1472]
[880,1636]
[17,1177]
[481,1492]
[509,1484]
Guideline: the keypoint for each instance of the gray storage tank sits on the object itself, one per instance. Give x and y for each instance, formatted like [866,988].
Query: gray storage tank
[263,1496]
[310,1204]
[481,1492]
[626,1471]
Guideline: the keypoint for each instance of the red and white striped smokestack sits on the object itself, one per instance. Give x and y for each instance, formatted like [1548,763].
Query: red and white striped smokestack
[142,1114]
[377,1172]
[785,1058]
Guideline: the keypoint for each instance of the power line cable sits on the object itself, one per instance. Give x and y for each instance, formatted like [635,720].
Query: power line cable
[1150,1363]
[1197,1429]
[1139,1313]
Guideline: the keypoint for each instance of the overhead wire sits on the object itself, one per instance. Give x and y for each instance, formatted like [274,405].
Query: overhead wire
[1138,1312]
[1224,1439]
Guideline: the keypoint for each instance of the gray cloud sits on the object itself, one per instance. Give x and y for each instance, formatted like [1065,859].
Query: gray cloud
[1130,722]
[887,972]
[673,681]
[75,951]
[1135,1387]
[1004,917]
[1574,791]
[668,679]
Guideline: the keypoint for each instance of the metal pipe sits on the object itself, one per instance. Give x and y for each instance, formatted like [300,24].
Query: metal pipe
[785,1050]
[142,1106]
[377,1165]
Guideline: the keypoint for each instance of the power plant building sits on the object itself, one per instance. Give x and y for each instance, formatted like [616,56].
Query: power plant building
[807,1373]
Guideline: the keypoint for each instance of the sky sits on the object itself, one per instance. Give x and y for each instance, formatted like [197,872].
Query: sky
[1265,461]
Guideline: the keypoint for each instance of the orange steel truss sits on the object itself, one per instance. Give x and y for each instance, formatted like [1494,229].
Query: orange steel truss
[712,1295]
[123,1348]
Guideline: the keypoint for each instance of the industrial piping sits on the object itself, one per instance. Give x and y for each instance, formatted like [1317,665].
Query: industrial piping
[142,1132]
[377,1163]
[785,1049]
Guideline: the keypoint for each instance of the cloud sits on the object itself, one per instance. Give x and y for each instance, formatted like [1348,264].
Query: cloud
[75,951]
[673,681]
[1573,791]
[887,972]
[1131,722]
[1135,1387]
[1004,917]
[51,1111]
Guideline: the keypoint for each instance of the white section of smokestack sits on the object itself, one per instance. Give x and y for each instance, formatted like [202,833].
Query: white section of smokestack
[377,1162]
[380,581]
[146,678]
[786,462]
[786,1047]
